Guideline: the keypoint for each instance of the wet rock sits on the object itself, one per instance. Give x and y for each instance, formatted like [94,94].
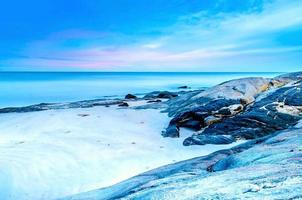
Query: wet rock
[83,115]
[172,131]
[154,101]
[124,104]
[195,118]
[192,124]
[130,96]
[184,87]
[55,106]
[208,139]
[32,108]
[160,94]
[224,111]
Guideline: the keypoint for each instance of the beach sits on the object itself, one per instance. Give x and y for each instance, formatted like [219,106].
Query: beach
[55,153]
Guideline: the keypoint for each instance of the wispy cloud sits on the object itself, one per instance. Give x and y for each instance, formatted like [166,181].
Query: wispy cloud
[199,41]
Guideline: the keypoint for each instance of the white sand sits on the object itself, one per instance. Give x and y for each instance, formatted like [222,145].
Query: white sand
[51,154]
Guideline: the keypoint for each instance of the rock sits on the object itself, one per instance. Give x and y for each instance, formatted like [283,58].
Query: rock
[154,101]
[172,131]
[130,96]
[160,94]
[240,91]
[184,87]
[243,108]
[192,124]
[264,167]
[54,106]
[224,112]
[211,120]
[83,115]
[197,116]
[208,139]
[263,117]
[124,104]
[287,78]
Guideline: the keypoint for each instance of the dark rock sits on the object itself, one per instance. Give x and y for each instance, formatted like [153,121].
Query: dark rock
[224,111]
[208,139]
[83,115]
[167,95]
[172,131]
[272,111]
[293,98]
[160,94]
[130,96]
[154,101]
[262,117]
[124,104]
[192,124]
[184,87]
[56,106]
[195,118]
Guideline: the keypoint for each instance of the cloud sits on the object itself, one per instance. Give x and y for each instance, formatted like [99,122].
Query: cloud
[152,45]
[196,42]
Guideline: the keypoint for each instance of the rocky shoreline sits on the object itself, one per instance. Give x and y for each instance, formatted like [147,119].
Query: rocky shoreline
[265,111]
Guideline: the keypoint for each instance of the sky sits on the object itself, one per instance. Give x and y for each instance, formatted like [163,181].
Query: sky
[151,35]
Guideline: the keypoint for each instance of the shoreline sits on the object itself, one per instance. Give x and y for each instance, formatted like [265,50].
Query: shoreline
[78,149]
[73,148]
[269,117]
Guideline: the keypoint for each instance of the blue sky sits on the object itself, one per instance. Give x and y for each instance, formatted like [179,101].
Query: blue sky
[151,35]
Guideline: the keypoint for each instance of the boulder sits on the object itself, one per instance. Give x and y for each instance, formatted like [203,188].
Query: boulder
[172,131]
[184,87]
[130,96]
[208,139]
[124,104]
[154,101]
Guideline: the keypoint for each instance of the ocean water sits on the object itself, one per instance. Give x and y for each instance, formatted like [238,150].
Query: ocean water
[26,88]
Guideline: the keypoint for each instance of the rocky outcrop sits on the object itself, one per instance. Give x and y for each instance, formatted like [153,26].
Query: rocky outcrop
[277,111]
[266,112]
[241,91]
[55,106]
[265,168]
[245,108]
[160,94]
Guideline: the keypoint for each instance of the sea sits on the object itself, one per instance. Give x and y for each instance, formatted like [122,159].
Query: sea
[27,88]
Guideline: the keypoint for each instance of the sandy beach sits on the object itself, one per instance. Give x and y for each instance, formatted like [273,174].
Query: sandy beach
[55,153]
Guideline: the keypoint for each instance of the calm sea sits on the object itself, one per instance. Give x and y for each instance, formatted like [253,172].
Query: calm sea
[25,88]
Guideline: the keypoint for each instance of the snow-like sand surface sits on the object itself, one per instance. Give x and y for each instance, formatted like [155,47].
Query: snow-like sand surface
[55,153]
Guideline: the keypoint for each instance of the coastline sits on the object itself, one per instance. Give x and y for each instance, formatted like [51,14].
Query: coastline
[65,150]
[71,148]
[268,165]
